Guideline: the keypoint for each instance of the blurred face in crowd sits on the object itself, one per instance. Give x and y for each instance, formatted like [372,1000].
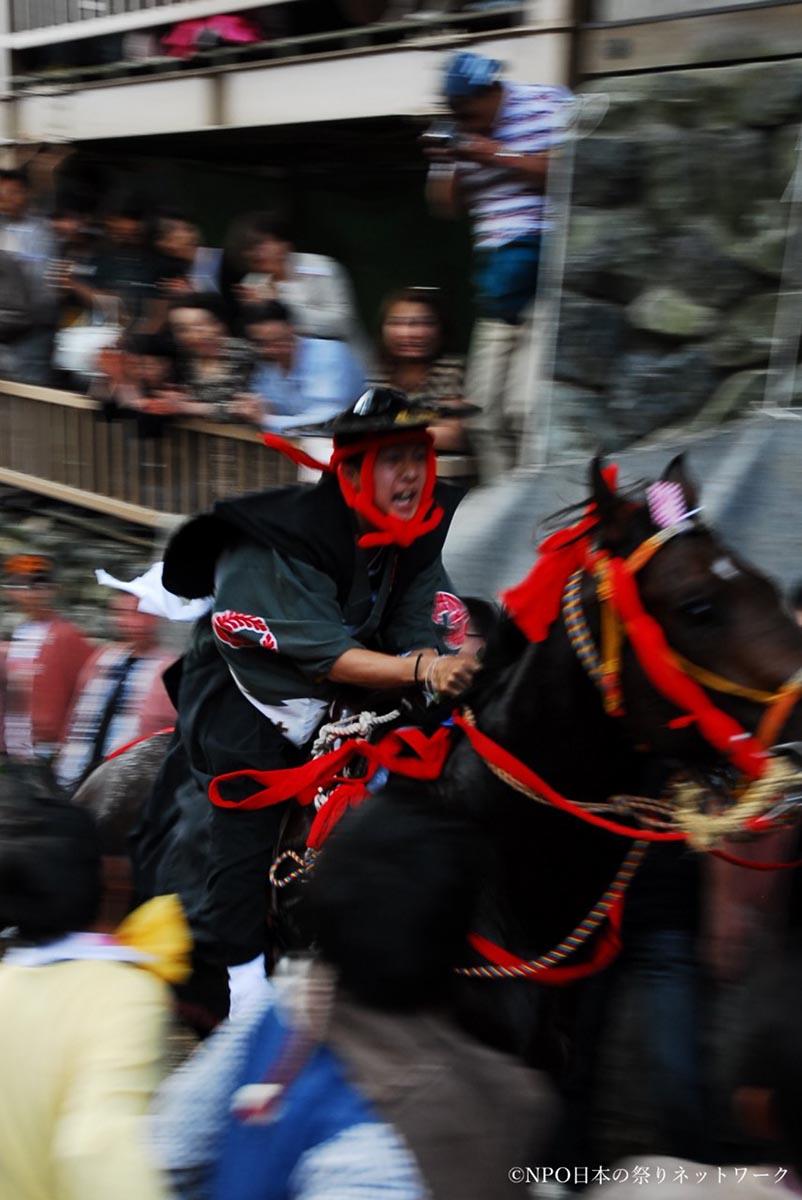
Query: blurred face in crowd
[198,332]
[411,330]
[150,371]
[14,198]
[274,342]
[178,239]
[398,478]
[268,256]
[477,114]
[68,227]
[138,630]
[35,603]
[125,231]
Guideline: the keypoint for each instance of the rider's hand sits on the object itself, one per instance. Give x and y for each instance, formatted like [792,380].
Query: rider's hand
[451,676]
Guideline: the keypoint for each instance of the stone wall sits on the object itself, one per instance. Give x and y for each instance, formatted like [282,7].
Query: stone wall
[675,251]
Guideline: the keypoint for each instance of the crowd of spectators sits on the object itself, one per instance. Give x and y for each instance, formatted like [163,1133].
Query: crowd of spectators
[126,304]
[116,296]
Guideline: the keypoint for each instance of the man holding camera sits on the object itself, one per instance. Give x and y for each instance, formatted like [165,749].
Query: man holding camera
[491,162]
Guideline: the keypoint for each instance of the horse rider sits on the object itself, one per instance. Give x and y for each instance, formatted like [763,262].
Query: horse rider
[315,589]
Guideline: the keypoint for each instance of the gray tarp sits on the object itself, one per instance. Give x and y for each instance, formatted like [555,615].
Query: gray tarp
[749,474]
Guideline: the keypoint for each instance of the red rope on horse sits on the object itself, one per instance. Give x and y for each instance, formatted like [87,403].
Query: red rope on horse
[658,662]
[492,752]
[130,745]
[606,950]
[754,866]
[534,605]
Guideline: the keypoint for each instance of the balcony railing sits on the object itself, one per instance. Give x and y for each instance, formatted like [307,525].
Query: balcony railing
[82,16]
[61,445]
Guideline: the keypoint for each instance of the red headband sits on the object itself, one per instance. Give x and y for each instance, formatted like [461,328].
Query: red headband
[387,530]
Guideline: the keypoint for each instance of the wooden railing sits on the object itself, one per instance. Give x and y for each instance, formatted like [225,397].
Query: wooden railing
[63,446]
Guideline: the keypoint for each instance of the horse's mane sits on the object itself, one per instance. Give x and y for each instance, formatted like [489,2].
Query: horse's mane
[504,646]
[634,492]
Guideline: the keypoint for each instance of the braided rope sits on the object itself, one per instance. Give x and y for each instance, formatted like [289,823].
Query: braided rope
[285,880]
[576,626]
[579,936]
[684,811]
[362,725]
[703,829]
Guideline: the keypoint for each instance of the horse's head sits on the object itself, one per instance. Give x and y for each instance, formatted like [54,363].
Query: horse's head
[728,638]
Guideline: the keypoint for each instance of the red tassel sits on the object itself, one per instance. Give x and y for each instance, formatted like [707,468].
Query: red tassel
[534,603]
[348,795]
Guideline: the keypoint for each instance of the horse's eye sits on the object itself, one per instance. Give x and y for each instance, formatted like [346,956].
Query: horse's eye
[699,609]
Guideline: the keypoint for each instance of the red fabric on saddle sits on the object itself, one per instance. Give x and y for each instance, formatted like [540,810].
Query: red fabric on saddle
[407,752]
[534,604]
[657,661]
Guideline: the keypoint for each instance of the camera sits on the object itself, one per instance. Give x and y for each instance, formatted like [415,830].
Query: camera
[441,135]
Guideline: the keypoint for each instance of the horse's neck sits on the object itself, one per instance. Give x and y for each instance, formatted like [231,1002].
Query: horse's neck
[548,713]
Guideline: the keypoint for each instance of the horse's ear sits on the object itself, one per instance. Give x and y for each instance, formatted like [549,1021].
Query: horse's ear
[676,472]
[613,512]
[603,495]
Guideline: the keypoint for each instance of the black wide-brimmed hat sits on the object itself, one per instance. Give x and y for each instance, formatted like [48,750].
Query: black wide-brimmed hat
[383,410]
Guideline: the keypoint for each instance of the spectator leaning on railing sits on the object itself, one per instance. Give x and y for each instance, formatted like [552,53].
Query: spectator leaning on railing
[313,378]
[141,381]
[215,366]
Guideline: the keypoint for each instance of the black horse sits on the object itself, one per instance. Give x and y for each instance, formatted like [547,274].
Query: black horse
[544,869]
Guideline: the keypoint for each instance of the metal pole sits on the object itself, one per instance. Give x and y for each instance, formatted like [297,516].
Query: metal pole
[788,315]
[586,114]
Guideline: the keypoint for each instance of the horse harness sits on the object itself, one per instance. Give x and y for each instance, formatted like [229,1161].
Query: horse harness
[622,618]
[604,665]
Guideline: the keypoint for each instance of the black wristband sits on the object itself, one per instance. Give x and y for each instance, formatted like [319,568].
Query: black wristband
[417,664]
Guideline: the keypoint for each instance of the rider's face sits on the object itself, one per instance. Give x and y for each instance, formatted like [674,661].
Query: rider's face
[399,475]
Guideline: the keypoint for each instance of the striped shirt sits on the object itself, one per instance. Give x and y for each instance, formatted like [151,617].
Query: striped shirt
[502,206]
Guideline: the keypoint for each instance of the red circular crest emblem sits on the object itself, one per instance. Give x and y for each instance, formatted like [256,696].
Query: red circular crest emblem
[229,627]
[451,617]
